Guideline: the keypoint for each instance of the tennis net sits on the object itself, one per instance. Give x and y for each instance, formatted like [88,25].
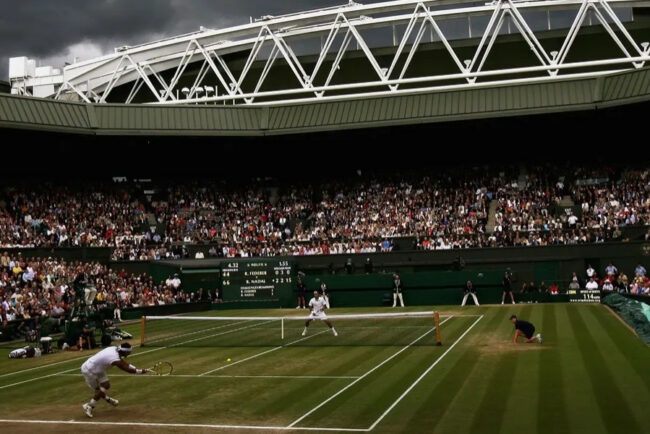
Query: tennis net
[384,329]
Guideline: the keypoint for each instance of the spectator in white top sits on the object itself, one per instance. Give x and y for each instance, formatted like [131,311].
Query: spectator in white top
[592,284]
[572,220]
[176,282]
[590,271]
[199,255]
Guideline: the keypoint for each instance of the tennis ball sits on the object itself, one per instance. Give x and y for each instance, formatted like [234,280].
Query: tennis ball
[229,360]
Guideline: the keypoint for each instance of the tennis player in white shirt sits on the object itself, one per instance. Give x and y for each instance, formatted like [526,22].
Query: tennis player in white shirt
[94,372]
[317,306]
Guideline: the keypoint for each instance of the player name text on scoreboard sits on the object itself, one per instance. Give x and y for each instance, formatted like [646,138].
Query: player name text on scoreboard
[255,279]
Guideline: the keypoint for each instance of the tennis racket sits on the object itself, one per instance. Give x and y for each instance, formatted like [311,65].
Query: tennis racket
[162,369]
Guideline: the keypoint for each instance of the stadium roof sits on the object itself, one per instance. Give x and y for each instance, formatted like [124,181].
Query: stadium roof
[481,101]
[354,51]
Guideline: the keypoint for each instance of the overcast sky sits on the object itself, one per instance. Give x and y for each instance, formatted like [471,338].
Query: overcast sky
[58,31]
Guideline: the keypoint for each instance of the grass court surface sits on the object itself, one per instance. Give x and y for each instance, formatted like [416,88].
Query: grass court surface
[591,375]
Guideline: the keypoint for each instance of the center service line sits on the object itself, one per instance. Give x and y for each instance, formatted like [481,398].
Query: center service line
[261,354]
[363,376]
[406,392]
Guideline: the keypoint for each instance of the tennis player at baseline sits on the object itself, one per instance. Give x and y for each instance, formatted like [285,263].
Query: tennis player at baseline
[525,329]
[94,372]
[317,306]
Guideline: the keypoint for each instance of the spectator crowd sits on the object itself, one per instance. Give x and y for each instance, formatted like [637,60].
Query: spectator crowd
[32,289]
[613,280]
[448,209]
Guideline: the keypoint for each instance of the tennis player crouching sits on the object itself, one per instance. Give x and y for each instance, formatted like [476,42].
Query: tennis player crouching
[525,329]
[94,372]
[317,306]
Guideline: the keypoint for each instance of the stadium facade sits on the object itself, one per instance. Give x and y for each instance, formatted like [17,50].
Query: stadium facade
[353,66]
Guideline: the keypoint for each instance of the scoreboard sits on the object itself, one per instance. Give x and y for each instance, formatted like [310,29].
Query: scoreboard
[584,295]
[256,279]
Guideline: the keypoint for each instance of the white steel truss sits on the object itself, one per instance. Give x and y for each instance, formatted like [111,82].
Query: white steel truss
[270,43]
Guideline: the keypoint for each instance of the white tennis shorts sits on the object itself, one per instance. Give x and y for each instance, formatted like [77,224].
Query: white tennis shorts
[320,315]
[93,380]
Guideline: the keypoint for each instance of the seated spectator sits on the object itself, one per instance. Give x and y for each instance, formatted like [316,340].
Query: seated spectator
[524,288]
[608,285]
[592,284]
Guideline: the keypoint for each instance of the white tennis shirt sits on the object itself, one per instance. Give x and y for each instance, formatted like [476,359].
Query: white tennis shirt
[317,306]
[100,362]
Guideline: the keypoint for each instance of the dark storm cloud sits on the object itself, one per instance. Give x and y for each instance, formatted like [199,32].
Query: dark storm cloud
[46,29]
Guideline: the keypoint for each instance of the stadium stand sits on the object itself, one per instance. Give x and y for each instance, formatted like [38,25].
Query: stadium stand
[527,206]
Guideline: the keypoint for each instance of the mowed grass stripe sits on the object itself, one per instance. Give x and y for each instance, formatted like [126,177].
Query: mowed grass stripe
[14,382]
[617,364]
[551,405]
[363,403]
[51,371]
[331,361]
[323,360]
[525,378]
[441,402]
[491,410]
[627,344]
[583,415]
[458,413]
[610,399]
[379,390]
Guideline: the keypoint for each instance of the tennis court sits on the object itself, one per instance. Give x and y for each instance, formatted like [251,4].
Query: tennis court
[477,381]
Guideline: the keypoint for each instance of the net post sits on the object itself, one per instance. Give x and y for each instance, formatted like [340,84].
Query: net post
[282,327]
[436,319]
[143,322]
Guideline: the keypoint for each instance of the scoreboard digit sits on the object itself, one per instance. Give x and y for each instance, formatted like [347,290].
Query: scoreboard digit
[256,279]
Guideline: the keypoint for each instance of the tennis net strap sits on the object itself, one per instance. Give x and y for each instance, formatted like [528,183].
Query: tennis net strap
[384,329]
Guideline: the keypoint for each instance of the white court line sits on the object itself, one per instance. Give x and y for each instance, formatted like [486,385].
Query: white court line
[179,425]
[299,377]
[85,357]
[262,353]
[363,376]
[63,372]
[407,391]
[42,366]
[196,332]
[134,355]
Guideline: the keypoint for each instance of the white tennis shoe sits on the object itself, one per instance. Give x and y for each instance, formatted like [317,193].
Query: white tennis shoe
[112,401]
[88,410]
